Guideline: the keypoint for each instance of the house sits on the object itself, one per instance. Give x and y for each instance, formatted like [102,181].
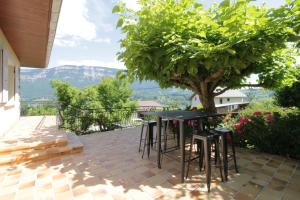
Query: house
[146,105]
[228,101]
[27,31]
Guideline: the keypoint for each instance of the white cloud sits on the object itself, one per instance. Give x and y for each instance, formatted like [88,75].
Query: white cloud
[91,62]
[75,27]
[74,22]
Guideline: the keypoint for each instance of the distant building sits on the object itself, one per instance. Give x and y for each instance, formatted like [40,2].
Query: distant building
[146,105]
[229,101]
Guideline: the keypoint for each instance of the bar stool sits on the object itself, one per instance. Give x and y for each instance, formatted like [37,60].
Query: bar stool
[149,129]
[204,141]
[225,134]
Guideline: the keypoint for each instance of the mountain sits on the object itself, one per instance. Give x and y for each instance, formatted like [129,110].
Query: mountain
[35,83]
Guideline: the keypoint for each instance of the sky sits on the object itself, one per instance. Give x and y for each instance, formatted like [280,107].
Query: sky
[86,33]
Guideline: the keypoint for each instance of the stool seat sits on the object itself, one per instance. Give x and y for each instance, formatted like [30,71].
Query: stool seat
[149,123]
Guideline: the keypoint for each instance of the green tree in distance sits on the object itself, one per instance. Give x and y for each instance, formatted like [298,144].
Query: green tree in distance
[103,104]
[209,50]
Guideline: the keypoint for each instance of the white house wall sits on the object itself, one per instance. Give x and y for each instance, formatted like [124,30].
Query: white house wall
[9,85]
[196,101]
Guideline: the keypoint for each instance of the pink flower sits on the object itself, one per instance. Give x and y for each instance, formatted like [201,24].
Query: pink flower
[238,127]
[257,113]
[269,117]
[174,122]
[244,120]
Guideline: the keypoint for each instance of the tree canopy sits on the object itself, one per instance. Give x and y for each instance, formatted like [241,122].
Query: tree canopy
[209,50]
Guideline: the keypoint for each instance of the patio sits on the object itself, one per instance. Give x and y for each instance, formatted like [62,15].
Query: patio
[111,168]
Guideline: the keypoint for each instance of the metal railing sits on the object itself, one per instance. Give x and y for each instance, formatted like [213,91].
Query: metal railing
[35,108]
[84,121]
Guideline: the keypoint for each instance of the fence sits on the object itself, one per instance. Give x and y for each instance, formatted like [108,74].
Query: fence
[34,108]
[83,121]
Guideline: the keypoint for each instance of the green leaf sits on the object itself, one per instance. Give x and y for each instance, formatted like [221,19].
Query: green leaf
[116,9]
[120,23]
[224,3]
[231,51]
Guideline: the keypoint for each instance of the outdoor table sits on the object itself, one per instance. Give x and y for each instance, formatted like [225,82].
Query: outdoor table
[181,116]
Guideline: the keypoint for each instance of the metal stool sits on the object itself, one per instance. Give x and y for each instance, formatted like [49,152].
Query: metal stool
[148,140]
[205,140]
[225,133]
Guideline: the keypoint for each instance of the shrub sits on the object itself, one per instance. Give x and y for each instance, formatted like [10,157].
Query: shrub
[289,96]
[274,130]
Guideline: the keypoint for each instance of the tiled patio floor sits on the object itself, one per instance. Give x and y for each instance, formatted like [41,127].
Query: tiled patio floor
[111,168]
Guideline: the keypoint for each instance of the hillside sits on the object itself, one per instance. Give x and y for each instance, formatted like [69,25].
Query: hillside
[35,83]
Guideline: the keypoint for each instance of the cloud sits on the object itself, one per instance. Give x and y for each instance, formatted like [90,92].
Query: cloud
[91,62]
[75,27]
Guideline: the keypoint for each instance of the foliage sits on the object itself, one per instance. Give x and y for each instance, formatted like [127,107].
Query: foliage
[289,96]
[103,105]
[269,128]
[181,43]
[36,109]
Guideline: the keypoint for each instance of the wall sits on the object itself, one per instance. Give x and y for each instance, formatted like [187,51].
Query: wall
[9,86]
[196,101]
[231,100]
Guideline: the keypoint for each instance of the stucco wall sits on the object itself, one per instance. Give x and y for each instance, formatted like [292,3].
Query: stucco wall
[9,104]
[196,101]
[231,100]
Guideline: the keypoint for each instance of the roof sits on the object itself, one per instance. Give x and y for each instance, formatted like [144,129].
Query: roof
[232,93]
[149,104]
[30,27]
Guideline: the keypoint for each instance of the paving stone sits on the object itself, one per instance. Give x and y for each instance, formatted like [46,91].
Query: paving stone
[111,168]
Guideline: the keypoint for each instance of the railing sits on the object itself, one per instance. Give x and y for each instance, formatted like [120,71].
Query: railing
[84,121]
[34,108]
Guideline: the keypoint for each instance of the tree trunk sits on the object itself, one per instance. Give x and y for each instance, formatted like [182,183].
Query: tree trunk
[207,100]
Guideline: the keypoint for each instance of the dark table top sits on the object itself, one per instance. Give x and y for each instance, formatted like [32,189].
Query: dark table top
[180,115]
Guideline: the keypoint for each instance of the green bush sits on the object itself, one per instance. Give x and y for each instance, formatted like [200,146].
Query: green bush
[269,129]
[289,96]
[37,109]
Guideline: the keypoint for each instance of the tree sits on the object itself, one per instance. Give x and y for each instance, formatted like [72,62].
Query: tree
[101,105]
[181,43]
[289,96]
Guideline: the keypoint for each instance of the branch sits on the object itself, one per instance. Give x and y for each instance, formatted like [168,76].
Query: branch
[215,76]
[221,91]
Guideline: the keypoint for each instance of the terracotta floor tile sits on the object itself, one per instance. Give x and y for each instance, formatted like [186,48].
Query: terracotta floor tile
[111,168]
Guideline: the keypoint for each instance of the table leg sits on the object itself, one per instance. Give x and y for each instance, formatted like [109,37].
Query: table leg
[158,141]
[182,150]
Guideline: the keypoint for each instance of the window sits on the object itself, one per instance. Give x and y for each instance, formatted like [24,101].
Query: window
[221,100]
[11,83]
[228,99]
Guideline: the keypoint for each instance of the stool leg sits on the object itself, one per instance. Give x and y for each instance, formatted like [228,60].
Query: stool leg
[233,152]
[201,155]
[189,159]
[165,136]
[145,141]
[207,163]
[141,137]
[217,155]
[224,151]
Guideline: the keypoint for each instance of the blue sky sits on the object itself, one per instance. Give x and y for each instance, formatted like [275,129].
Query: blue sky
[86,33]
